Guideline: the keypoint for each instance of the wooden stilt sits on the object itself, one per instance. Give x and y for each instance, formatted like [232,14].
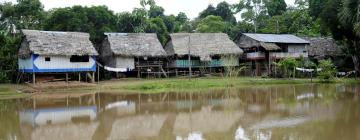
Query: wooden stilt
[34,80]
[176,72]
[66,77]
[98,74]
[93,77]
[79,77]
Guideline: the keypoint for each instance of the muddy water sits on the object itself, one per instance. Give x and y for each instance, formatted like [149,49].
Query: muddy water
[283,112]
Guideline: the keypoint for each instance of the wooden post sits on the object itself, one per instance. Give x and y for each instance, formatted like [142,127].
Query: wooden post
[189,59]
[79,76]
[176,72]
[93,77]
[67,77]
[34,80]
[294,72]
[98,74]
[138,68]
[269,67]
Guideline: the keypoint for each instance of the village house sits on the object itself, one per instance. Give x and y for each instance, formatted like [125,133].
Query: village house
[326,48]
[140,52]
[49,52]
[207,50]
[263,49]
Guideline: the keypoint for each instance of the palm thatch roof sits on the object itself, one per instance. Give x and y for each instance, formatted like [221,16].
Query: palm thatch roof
[135,44]
[203,45]
[56,43]
[321,47]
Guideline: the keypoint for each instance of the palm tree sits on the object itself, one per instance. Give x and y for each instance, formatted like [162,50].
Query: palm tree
[349,17]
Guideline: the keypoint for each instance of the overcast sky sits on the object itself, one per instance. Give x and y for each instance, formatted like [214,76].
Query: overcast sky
[191,8]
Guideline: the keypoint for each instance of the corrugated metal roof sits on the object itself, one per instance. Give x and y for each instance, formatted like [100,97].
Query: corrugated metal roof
[277,38]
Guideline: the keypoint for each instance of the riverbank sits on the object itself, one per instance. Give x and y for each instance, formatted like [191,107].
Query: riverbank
[150,86]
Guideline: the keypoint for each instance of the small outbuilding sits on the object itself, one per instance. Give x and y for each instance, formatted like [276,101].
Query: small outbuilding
[262,49]
[323,48]
[207,50]
[141,52]
[56,52]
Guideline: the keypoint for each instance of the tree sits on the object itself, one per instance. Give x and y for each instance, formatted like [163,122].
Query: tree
[315,7]
[276,7]
[212,24]
[210,10]
[8,57]
[341,17]
[95,20]
[171,24]
[131,22]
[157,25]
[182,18]
[223,9]
[26,14]
[252,11]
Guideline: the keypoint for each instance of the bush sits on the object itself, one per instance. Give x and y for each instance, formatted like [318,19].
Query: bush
[8,58]
[328,71]
[287,66]
[230,65]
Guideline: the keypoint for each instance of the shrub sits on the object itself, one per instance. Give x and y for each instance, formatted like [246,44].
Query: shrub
[287,66]
[328,70]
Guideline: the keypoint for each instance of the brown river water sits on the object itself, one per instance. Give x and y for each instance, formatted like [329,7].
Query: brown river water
[280,112]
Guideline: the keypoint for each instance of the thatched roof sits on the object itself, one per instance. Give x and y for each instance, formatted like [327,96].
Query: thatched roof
[56,43]
[270,46]
[321,47]
[202,45]
[277,38]
[135,44]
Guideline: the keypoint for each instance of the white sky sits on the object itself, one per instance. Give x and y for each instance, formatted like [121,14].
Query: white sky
[191,8]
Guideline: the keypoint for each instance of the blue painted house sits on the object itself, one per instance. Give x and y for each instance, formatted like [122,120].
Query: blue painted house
[56,52]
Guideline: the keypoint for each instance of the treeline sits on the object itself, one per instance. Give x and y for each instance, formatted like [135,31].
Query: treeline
[306,18]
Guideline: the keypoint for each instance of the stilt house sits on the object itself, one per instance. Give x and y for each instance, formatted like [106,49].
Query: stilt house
[56,52]
[262,49]
[141,52]
[207,50]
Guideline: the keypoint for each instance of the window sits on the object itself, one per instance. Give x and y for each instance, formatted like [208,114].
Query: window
[76,58]
[47,59]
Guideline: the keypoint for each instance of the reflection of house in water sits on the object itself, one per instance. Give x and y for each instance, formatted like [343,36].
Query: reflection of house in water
[141,126]
[205,121]
[121,107]
[58,123]
[40,117]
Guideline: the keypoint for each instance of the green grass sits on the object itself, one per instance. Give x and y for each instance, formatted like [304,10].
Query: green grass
[166,85]
[8,91]
[153,86]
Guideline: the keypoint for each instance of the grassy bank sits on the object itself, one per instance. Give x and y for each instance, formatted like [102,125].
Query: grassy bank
[9,91]
[156,85]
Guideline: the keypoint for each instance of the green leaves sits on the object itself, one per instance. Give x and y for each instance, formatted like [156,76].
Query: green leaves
[212,24]
[328,70]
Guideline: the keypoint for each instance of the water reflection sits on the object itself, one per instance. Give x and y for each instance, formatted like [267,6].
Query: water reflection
[260,113]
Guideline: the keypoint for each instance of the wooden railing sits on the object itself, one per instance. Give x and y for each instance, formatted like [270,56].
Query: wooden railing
[197,63]
[288,54]
[255,55]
